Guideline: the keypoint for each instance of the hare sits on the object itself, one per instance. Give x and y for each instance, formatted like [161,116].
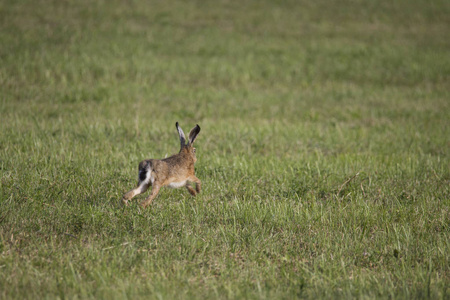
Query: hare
[175,171]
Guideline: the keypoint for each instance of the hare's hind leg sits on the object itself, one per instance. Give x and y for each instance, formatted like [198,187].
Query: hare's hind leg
[143,184]
[153,194]
[141,188]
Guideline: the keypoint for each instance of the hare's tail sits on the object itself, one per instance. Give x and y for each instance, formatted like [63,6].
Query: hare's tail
[145,171]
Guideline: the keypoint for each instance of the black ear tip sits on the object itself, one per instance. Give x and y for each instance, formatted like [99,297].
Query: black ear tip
[176,124]
[198,128]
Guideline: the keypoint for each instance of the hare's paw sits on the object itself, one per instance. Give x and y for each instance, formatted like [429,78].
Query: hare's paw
[144,204]
[191,190]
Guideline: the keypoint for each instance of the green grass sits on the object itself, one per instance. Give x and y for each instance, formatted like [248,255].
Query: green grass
[324,150]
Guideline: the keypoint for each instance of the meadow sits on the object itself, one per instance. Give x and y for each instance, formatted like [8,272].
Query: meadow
[324,149]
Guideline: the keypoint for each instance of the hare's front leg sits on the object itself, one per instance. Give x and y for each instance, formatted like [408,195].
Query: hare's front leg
[153,194]
[191,189]
[141,188]
[198,183]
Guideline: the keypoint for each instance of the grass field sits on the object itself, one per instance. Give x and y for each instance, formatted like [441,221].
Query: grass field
[324,149]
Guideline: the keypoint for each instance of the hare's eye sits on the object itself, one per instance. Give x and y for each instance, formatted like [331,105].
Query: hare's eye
[193,150]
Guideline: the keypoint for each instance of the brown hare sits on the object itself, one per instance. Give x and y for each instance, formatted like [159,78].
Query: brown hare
[175,171]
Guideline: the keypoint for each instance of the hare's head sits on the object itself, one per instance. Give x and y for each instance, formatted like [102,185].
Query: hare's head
[188,147]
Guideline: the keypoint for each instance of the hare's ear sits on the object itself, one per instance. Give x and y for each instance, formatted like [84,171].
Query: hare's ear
[193,134]
[181,134]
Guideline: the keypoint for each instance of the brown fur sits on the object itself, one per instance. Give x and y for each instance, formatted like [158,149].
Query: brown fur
[177,170]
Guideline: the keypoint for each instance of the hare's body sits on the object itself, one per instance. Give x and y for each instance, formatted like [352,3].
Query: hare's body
[175,171]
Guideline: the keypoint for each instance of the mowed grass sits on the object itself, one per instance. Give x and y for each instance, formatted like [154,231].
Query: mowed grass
[324,149]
